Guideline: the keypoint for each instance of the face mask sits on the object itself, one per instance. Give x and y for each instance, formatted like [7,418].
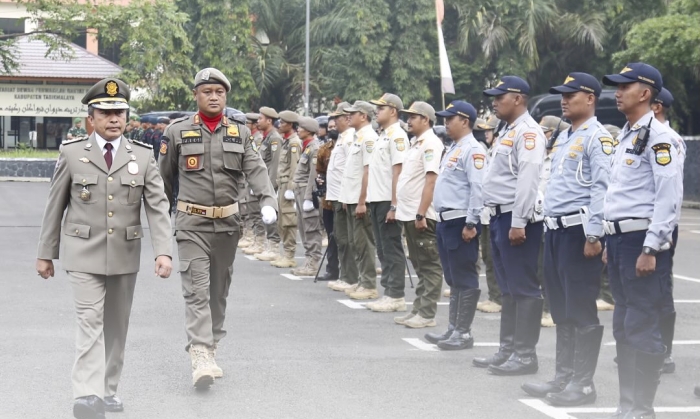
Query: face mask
[333,134]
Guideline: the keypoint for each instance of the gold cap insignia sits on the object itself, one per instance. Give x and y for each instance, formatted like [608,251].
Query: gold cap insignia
[111,88]
[625,70]
[569,79]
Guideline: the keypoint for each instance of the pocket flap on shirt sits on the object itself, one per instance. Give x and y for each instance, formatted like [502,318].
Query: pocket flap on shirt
[234,147]
[86,179]
[76,230]
[191,149]
[128,180]
[134,232]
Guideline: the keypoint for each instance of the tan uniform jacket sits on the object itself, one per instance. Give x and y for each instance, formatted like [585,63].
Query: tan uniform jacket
[270,150]
[102,230]
[289,158]
[210,167]
[305,175]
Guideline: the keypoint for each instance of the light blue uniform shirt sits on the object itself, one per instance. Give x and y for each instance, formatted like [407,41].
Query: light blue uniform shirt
[458,185]
[645,186]
[514,170]
[682,149]
[580,173]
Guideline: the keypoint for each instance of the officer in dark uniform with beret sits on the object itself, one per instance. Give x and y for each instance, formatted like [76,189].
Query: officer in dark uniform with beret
[99,185]
[210,155]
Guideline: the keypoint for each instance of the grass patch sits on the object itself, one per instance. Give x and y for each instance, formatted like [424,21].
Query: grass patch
[29,154]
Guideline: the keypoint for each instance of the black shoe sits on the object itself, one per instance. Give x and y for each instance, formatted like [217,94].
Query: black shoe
[462,338]
[564,364]
[625,375]
[329,276]
[667,325]
[527,334]
[580,389]
[113,404]
[89,407]
[647,372]
[454,308]
[506,338]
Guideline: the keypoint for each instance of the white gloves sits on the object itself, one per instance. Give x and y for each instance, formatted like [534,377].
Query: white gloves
[308,205]
[269,215]
[289,195]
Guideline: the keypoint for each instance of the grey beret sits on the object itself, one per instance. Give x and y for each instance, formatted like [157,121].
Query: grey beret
[211,76]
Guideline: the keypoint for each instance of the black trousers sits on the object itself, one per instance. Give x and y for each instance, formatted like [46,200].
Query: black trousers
[333,265]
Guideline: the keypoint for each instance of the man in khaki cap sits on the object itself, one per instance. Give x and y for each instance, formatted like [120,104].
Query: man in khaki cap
[304,183]
[384,169]
[354,195]
[211,156]
[99,184]
[270,149]
[254,232]
[341,217]
[414,209]
[290,152]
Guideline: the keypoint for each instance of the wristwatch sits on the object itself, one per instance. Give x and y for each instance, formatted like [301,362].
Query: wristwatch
[419,217]
[649,251]
[470,226]
[592,239]
[392,208]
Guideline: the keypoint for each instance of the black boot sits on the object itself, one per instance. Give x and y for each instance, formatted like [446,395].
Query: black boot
[506,338]
[89,407]
[625,374]
[668,328]
[564,364]
[647,373]
[580,389]
[454,308]
[461,337]
[527,333]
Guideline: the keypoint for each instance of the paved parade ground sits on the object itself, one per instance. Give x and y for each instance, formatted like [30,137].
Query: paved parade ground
[294,349]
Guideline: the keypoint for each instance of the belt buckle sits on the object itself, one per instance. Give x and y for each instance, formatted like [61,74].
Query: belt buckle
[564,223]
[188,209]
[218,212]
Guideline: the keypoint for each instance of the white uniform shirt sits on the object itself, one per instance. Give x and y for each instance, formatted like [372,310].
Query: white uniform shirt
[423,157]
[389,150]
[358,157]
[336,164]
[101,142]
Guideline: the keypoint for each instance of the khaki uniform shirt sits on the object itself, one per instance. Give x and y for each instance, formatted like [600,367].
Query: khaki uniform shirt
[336,165]
[360,153]
[270,149]
[290,153]
[210,166]
[390,149]
[305,175]
[422,158]
[101,233]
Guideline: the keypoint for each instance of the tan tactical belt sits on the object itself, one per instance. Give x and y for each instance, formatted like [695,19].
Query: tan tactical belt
[207,212]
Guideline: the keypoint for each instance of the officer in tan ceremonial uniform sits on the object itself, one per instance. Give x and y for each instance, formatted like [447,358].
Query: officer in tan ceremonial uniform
[270,150]
[254,231]
[210,155]
[304,182]
[289,158]
[99,184]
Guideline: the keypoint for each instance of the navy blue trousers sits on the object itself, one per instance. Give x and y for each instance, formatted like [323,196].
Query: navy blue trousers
[572,281]
[459,258]
[516,266]
[639,301]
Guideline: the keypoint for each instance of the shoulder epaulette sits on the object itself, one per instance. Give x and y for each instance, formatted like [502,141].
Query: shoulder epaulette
[74,140]
[183,118]
[137,142]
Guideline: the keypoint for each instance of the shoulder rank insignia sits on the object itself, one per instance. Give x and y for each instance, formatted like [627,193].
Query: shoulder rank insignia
[607,144]
[74,140]
[663,153]
[137,142]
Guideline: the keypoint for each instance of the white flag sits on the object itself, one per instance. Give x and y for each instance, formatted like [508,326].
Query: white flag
[448,85]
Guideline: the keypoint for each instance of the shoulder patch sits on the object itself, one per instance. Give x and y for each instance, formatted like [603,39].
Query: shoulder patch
[479,161]
[662,151]
[163,146]
[530,138]
[429,155]
[137,142]
[607,145]
[74,140]
[369,146]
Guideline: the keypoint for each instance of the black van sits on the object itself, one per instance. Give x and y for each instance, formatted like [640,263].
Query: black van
[606,112]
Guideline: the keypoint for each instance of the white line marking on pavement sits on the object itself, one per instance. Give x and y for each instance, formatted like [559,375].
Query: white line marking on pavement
[675,342]
[425,346]
[688,224]
[292,277]
[695,231]
[352,304]
[250,257]
[686,278]
[686,301]
[548,410]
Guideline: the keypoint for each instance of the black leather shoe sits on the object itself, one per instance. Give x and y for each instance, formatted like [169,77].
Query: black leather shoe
[669,366]
[89,407]
[507,334]
[564,365]
[329,276]
[496,359]
[462,337]
[113,404]
[516,365]
[454,308]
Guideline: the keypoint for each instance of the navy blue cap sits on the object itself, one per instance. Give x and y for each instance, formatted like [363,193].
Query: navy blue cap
[509,84]
[578,82]
[665,98]
[461,108]
[636,72]
[163,120]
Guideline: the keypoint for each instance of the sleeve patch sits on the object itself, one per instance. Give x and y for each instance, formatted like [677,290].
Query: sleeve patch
[530,140]
[429,155]
[607,145]
[479,160]
[662,151]
[164,146]
[369,146]
[400,144]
